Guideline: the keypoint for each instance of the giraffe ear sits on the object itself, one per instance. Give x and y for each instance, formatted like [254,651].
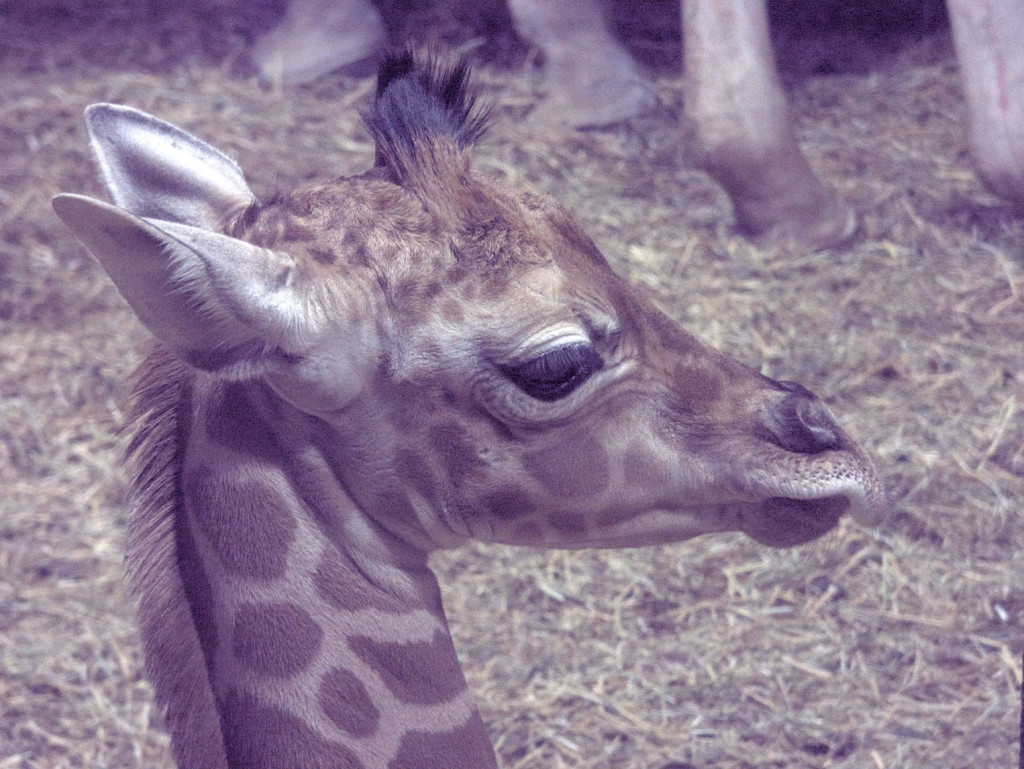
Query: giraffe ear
[155,170]
[223,305]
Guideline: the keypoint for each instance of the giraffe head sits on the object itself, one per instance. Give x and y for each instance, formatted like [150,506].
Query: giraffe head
[459,348]
[380,365]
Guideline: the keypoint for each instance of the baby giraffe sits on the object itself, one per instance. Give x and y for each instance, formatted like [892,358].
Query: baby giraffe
[356,373]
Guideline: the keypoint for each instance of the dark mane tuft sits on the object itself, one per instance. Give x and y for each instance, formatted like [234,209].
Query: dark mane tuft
[420,104]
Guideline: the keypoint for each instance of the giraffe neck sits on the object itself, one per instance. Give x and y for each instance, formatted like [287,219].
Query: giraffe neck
[322,640]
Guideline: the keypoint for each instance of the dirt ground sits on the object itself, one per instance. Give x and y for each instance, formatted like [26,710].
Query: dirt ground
[897,647]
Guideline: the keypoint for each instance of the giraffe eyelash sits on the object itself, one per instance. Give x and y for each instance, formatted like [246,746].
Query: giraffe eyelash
[557,373]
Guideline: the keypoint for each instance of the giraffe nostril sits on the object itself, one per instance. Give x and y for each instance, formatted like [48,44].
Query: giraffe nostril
[802,424]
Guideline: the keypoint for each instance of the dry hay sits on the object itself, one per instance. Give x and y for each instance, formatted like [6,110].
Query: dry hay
[898,647]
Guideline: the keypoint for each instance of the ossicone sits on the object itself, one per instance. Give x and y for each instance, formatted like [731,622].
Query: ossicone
[424,110]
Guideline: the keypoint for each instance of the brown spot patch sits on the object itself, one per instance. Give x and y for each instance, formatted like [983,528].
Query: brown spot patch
[578,240]
[508,502]
[243,518]
[671,336]
[494,288]
[323,256]
[231,422]
[405,419]
[414,470]
[452,312]
[425,673]
[433,290]
[346,702]
[277,639]
[395,505]
[614,517]
[256,735]
[458,452]
[359,253]
[695,390]
[467,747]
[575,468]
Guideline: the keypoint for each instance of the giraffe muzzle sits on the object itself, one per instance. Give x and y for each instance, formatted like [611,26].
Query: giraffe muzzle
[801,423]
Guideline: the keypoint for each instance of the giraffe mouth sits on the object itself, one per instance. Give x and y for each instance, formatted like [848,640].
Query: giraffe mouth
[784,522]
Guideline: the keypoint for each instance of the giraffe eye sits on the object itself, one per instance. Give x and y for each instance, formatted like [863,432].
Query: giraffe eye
[555,374]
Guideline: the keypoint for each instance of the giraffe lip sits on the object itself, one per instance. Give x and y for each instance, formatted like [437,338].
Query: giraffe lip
[784,522]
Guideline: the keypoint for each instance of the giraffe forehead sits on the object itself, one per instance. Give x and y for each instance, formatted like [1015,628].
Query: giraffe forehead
[492,282]
[353,222]
[475,230]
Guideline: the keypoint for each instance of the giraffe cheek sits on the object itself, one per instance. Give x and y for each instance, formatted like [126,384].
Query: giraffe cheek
[572,469]
[416,473]
[696,391]
[645,468]
[572,526]
[456,450]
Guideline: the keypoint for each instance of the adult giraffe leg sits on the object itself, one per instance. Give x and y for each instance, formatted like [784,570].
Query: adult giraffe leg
[591,80]
[745,140]
[989,40]
[316,37]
